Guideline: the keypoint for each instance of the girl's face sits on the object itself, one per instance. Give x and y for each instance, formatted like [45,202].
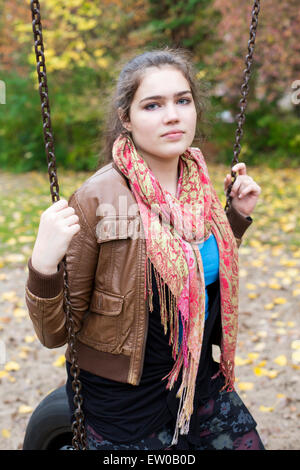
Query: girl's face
[163,103]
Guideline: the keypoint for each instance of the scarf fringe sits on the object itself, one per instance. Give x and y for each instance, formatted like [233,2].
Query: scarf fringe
[227,369]
[169,312]
[186,394]
[186,390]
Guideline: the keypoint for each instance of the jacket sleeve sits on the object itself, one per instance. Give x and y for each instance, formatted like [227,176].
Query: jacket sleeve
[44,294]
[238,223]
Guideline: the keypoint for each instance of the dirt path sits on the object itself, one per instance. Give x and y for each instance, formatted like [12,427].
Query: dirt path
[270,389]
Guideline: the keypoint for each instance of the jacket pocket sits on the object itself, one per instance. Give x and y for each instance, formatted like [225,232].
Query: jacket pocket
[102,325]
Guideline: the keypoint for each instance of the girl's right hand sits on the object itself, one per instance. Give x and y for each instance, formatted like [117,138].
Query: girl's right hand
[58,225]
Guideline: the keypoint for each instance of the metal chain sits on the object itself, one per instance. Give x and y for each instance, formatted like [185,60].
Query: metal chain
[78,429]
[243,101]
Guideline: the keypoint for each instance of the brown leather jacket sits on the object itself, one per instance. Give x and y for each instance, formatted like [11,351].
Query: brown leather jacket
[106,272]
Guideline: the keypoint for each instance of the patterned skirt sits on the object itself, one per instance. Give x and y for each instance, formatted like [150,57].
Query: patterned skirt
[222,423]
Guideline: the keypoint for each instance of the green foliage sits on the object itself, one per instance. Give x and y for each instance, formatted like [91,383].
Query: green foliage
[185,23]
[83,44]
[75,125]
[270,137]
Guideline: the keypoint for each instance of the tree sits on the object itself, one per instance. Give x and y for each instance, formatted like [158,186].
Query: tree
[277,51]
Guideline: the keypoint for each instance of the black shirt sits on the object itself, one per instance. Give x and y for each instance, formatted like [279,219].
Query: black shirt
[123,412]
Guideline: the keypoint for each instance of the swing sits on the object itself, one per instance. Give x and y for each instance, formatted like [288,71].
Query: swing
[77,427]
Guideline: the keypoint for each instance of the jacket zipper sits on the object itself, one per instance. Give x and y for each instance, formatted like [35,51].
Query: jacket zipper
[146,316]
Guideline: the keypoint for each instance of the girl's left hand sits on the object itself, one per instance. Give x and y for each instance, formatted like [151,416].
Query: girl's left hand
[244,191]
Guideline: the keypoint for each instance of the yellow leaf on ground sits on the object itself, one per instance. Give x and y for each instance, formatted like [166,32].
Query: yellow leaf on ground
[252,295]
[257,263]
[296,357]
[245,386]
[260,346]
[6,433]
[15,258]
[293,272]
[254,243]
[258,371]
[20,313]
[281,331]
[10,296]
[11,242]
[266,409]
[23,409]
[288,262]
[281,360]
[11,366]
[26,238]
[262,334]
[23,354]
[274,285]
[288,227]
[275,315]
[295,344]
[239,361]
[29,339]
[250,286]
[272,374]
[253,356]
[261,371]
[262,364]
[280,300]
[243,273]
[269,306]
[60,361]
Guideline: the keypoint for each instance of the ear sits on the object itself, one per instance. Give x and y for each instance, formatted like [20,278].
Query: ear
[125,123]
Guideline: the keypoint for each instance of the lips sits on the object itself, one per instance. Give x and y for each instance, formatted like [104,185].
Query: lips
[175,131]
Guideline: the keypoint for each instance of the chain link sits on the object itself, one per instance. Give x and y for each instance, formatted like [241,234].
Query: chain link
[78,429]
[243,102]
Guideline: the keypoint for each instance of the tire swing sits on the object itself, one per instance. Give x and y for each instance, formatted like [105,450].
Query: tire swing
[78,429]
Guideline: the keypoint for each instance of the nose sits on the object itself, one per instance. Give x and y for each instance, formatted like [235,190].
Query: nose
[171,113]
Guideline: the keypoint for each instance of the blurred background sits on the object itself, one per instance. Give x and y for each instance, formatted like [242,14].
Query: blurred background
[85,42]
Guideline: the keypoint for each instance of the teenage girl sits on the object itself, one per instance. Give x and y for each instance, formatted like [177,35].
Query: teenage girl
[152,264]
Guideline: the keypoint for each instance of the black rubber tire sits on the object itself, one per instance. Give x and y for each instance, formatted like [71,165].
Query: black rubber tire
[49,427]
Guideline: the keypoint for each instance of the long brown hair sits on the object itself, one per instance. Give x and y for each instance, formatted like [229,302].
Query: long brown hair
[128,82]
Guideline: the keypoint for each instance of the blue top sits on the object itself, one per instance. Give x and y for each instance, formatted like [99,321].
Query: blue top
[210,258]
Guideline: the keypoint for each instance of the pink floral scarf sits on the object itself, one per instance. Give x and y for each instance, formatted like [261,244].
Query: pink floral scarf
[173,227]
